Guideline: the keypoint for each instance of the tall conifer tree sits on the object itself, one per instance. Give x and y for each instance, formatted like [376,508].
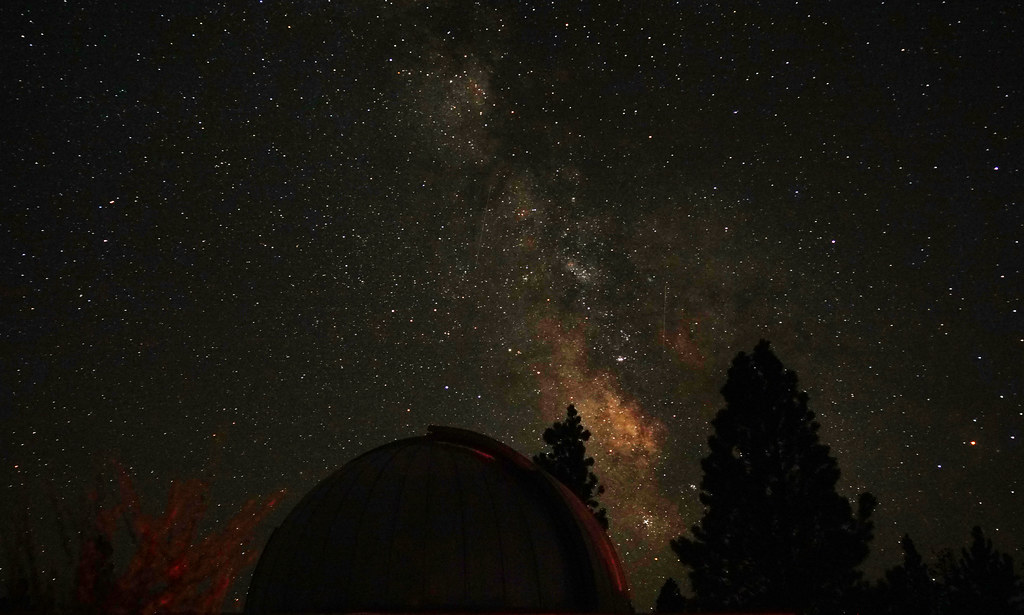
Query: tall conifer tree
[982,580]
[775,535]
[908,589]
[568,462]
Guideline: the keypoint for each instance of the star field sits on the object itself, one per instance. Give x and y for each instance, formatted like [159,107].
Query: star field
[252,241]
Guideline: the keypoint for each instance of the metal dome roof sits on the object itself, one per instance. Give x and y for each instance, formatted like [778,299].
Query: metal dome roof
[452,521]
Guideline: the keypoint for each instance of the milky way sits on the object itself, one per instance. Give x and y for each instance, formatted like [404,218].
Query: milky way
[251,243]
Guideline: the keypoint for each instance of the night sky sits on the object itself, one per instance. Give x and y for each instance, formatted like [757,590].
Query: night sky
[252,241]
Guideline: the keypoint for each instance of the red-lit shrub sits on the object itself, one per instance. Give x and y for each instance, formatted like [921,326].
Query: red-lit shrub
[172,568]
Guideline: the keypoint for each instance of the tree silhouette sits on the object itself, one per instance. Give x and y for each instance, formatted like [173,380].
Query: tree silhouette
[670,599]
[568,462]
[775,535]
[982,580]
[909,587]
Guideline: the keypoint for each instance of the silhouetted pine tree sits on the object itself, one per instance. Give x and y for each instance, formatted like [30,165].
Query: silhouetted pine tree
[908,588]
[568,462]
[775,534]
[670,599]
[982,580]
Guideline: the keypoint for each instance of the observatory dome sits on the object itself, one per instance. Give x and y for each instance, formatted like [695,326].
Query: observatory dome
[449,522]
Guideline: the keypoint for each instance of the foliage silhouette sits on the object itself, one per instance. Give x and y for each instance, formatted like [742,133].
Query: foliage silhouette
[28,581]
[982,580]
[670,599]
[568,462]
[775,535]
[909,588]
